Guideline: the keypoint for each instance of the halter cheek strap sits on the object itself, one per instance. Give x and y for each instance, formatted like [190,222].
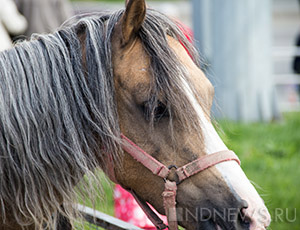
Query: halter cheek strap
[159,169]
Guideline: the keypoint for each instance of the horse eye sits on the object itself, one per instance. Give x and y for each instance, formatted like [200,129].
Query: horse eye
[157,113]
[160,111]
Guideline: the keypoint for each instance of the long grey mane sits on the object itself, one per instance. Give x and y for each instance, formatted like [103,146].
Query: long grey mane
[58,118]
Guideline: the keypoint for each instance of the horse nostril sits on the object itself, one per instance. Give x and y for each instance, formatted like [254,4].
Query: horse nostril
[244,220]
[244,204]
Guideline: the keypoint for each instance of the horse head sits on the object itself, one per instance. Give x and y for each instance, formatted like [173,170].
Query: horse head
[164,101]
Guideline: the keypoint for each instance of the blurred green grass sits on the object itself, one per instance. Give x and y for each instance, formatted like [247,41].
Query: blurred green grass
[270,155]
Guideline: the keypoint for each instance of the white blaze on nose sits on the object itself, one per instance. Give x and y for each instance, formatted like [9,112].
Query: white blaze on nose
[230,170]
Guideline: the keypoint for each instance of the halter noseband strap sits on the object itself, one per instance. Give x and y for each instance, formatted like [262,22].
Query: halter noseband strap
[159,169]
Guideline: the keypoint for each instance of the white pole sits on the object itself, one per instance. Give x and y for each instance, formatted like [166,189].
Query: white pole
[235,37]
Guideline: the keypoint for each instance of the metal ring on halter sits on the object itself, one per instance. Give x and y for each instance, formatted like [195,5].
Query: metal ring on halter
[170,167]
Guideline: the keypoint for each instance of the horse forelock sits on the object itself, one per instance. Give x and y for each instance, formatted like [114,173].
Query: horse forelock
[171,78]
[58,120]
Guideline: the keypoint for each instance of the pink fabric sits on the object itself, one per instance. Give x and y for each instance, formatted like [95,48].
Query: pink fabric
[127,209]
[186,31]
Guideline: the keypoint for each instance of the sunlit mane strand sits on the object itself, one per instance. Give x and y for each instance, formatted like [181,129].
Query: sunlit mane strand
[56,114]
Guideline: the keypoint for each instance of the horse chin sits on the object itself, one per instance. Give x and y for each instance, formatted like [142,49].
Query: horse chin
[207,225]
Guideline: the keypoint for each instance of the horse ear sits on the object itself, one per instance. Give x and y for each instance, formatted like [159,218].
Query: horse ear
[132,19]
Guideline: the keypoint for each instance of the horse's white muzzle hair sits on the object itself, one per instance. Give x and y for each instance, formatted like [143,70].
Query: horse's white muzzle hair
[236,179]
[231,172]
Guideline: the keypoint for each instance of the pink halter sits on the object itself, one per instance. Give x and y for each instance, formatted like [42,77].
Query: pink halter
[159,169]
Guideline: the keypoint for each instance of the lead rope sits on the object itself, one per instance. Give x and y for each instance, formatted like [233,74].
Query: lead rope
[169,198]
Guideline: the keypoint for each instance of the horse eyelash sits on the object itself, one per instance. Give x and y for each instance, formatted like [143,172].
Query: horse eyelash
[159,111]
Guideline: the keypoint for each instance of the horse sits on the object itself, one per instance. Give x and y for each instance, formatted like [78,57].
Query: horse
[116,91]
